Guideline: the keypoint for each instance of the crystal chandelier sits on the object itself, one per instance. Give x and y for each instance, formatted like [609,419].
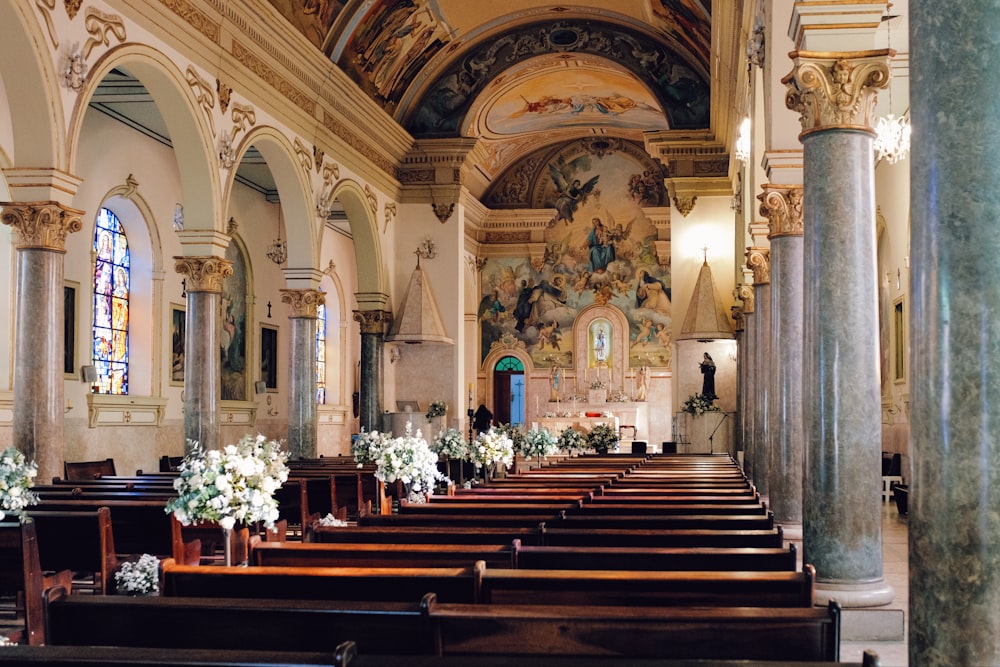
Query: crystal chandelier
[277,252]
[892,138]
[742,148]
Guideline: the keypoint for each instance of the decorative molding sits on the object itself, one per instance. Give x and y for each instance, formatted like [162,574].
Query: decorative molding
[203,94]
[197,19]
[416,176]
[72,8]
[744,293]
[443,211]
[830,92]
[249,59]
[130,188]
[738,318]
[372,199]
[685,204]
[324,203]
[759,259]
[352,139]
[373,321]
[98,26]
[106,410]
[304,154]
[782,206]
[318,155]
[508,237]
[662,254]
[243,115]
[41,225]
[225,93]
[203,274]
[45,8]
[390,214]
[481,263]
[303,303]
[508,342]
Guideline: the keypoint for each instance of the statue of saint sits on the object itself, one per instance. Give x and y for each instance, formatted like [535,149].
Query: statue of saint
[708,377]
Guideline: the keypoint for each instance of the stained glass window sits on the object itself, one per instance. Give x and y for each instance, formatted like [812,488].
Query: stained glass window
[111,294]
[321,354]
[510,364]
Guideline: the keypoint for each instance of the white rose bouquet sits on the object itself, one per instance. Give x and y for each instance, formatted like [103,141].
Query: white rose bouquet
[539,442]
[410,460]
[492,447]
[17,476]
[141,577]
[451,444]
[367,447]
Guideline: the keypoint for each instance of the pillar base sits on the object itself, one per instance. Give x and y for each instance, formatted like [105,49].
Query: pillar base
[872,594]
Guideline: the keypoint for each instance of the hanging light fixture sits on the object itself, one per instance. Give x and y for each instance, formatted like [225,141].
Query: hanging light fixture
[277,252]
[742,148]
[892,135]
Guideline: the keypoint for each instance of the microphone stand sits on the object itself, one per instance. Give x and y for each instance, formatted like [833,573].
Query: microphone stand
[711,446]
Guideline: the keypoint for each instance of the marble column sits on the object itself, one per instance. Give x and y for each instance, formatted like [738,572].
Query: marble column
[758,259]
[739,322]
[782,205]
[748,372]
[202,369]
[841,401]
[954,324]
[373,325]
[40,238]
[303,411]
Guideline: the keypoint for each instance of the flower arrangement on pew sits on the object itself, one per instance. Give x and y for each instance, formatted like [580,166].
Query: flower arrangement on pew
[491,449]
[539,443]
[232,486]
[139,577]
[17,476]
[367,447]
[697,405]
[516,435]
[602,438]
[571,441]
[410,460]
[450,445]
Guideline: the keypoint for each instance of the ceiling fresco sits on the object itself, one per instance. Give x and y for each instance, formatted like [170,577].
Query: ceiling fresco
[313,18]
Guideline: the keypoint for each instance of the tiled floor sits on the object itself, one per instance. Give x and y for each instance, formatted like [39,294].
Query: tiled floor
[895,569]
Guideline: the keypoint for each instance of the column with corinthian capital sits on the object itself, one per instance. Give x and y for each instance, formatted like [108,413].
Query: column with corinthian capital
[40,238]
[747,373]
[373,325]
[303,413]
[842,518]
[782,206]
[759,260]
[202,370]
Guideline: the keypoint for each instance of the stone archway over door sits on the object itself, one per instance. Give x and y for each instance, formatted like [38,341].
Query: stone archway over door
[508,391]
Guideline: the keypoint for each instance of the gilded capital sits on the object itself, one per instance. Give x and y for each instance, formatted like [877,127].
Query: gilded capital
[41,225]
[782,206]
[303,303]
[373,321]
[744,293]
[836,90]
[738,317]
[203,274]
[759,259]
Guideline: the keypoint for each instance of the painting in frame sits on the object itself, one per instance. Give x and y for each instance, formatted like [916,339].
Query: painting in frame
[177,332]
[269,356]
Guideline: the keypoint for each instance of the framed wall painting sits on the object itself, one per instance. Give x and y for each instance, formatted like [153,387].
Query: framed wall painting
[177,332]
[269,356]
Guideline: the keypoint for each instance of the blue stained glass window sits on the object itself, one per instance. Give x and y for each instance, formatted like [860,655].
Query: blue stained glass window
[321,354]
[111,299]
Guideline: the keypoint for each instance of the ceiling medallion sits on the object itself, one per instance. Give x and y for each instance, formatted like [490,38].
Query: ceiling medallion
[564,37]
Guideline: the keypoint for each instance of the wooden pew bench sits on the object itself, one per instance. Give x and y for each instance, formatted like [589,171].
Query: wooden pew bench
[140,525]
[446,509]
[628,507]
[22,582]
[396,584]
[117,656]
[638,588]
[625,537]
[298,554]
[465,521]
[581,520]
[80,541]
[426,535]
[731,559]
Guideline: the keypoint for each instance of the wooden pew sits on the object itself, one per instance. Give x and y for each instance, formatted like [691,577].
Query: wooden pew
[656,558]
[465,521]
[452,584]
[298,554]
[427,535]
[446,509]
[661,588]
[118,656]
[88,469]
[627,537]
[80,541]
[583,521]
[23,581]
[140,525]
[757,508]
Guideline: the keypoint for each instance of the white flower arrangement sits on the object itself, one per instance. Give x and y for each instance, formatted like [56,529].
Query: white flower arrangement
[17,476]
[697,405]
[437,409]
[571,441]
[602,438]
[492,447]
[141,577]
[539,442]
[367,447]
[232,486]
[451,444]
[410,460]
[330,520]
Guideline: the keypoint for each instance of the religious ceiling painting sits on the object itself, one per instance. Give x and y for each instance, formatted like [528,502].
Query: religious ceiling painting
[391,44]
[679,87]
[313,18]
[689,23]
[599,249]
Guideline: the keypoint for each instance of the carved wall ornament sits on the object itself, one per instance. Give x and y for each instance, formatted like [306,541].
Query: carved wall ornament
[481,263]
[738,317]
[74,71]
[227,150]
[225,93]
[373,321]
[203,274]
[324,199]
[45,7]
[130,187]
[208,26]
[390,214]
[443,211]
[372,198]
[508,341]
[72,7]
[243,115]
[303,303]
[508,237]
[744,292]
[759,259]
[42,225]
[538,262]
[782,206]
[305,157]
[318,155]
[232,226]
[685,204]
[202,92]
[99,26]
[836,93]
[756,45]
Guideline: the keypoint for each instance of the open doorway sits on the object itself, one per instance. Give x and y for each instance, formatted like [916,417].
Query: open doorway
[508,391]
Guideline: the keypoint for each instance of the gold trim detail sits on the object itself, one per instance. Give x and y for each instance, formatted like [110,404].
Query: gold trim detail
[373,321]
[303,303]
[836,91]
[744,293]
[98,25]
[41,225]
[204,274]
[759,259]
[782,206]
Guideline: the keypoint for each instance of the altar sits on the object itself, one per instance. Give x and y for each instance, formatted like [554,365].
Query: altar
[629,419]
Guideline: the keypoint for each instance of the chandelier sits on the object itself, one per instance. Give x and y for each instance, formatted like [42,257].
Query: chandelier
[742,148]
[277,252]
[892,138]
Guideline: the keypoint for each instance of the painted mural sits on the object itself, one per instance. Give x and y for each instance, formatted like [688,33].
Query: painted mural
[599,250]
[689,22]
[313,18]
[233,343]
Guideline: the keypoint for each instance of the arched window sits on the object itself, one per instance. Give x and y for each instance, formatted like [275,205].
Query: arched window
[508,391]
[321,354]
[111,305]
[510,364]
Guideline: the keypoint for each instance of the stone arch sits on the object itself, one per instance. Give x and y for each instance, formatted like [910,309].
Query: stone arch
[619,354]
[187,125]
[36,113]
[294,190]
[338,335]
[373,285]
[508,346]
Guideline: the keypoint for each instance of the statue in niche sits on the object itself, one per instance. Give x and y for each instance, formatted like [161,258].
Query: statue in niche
[555,380]
[708,377]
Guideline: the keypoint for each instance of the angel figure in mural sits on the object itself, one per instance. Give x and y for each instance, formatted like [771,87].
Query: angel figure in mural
[651,292]
[571,194]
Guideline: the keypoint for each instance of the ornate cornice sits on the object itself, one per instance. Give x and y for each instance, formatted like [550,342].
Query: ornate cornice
[203,274]
[373,321]
[744,293]
[782,206]
[251,61]
[836,90]
[197,19]
[41,225]
[303,303]
[759,259]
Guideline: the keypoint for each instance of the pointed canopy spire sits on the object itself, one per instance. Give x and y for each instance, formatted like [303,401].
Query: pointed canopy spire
[706,318]
[418,319]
